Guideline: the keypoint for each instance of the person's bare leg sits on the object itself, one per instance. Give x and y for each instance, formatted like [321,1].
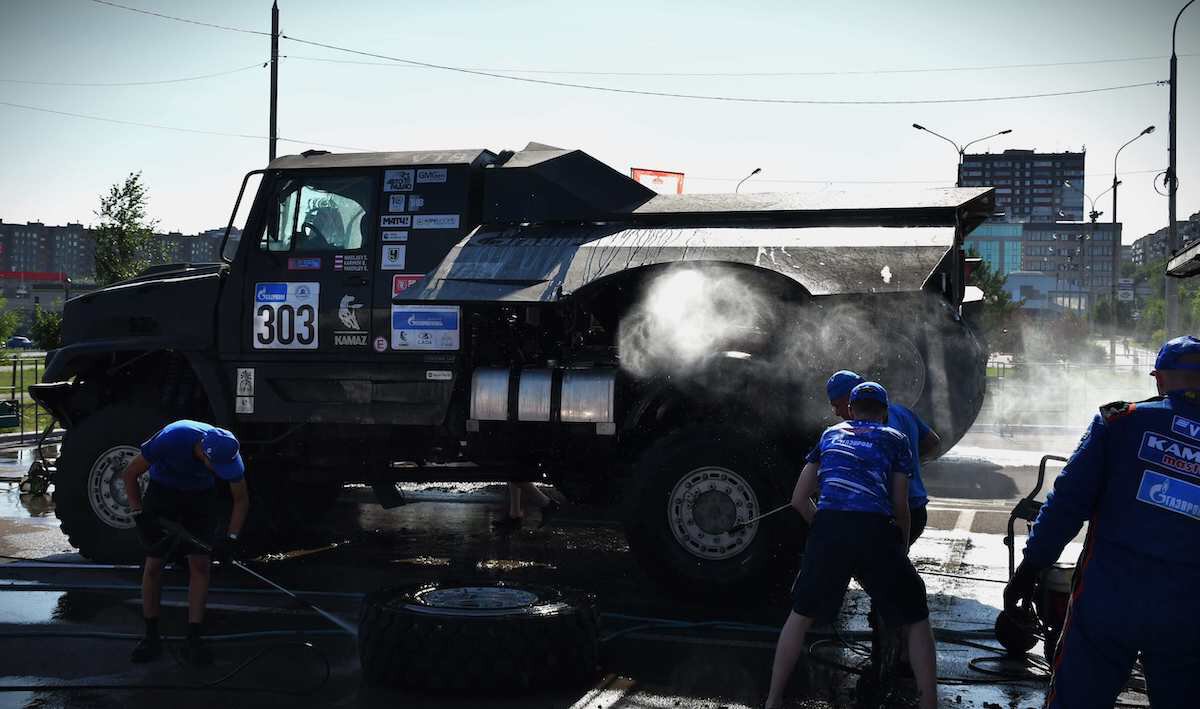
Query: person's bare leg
[537,496]
[151,587]
[514,501]
[787,653]
[922,655]
[198,576]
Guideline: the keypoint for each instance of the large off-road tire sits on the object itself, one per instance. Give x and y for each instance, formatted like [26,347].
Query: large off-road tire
[89,496]
[956,381]
[478,637]
[689,489]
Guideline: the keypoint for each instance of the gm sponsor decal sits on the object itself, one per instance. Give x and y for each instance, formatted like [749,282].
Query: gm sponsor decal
[1186,427]
[1170,494]
[1170,453]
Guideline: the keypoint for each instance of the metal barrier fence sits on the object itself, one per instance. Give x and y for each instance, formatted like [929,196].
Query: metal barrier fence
[19,413]
[1060,394]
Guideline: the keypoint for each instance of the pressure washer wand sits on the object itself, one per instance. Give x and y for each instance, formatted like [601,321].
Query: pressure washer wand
[177,529]
[764,515]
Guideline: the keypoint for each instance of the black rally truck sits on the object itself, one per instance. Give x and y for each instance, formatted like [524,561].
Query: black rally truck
[458,315]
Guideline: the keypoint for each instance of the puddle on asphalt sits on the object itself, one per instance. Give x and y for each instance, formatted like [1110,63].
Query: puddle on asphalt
[14,504]
[424,561]
[511,565]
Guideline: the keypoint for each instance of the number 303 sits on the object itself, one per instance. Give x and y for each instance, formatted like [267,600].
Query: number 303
[286,324]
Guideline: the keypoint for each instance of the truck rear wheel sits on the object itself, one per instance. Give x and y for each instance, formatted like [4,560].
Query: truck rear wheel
[688,490]
[89,496]
[478,637]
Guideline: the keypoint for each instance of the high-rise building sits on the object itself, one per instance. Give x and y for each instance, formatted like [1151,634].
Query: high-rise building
[1153,247]
[1030,186]
[1078,254]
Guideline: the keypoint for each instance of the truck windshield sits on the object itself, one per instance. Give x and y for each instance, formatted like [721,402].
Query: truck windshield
[319,214]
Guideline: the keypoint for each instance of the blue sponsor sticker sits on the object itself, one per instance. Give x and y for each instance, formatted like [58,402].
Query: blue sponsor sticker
[304,264]
[425,319]
[1186,427]
[1170,494]
[270,293]
[1170,453]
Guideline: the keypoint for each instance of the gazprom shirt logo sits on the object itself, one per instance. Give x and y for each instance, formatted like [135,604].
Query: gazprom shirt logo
[1170,494]
[1186,427]
[270,293]
[1170,453]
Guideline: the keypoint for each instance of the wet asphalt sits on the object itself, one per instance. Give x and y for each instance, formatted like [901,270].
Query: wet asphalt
[50,612]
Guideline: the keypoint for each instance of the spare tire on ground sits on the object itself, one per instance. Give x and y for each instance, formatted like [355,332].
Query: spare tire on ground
[485,636]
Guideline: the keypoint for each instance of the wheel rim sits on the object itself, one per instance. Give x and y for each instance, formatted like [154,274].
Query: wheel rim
[702,508]
[477,598]
[106,489]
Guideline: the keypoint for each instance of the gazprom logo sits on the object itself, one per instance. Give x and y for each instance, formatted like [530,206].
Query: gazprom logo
[1170,453]
[1170,494]
[270,293]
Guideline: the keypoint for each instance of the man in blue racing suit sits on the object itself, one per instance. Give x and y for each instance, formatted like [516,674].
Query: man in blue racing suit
[1136,478]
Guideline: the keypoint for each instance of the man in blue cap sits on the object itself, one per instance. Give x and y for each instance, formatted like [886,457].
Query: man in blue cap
[858,527]
[1135,477]
[184,460]
[923,441]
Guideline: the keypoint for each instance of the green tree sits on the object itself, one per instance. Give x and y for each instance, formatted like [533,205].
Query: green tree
[9,321]
[998,319]
[125,236]
[47,329]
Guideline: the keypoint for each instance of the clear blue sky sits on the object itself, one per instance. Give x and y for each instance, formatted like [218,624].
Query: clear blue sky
[53,167]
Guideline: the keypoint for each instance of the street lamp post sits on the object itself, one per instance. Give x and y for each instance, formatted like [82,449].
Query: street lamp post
[753,172]
[960,149]
[1171,292]
[1116,245]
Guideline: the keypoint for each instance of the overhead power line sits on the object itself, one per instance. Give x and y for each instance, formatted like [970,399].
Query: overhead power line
[177,128]
[257,65]
[816,181]
[705,97]
[759,74]
[163,16]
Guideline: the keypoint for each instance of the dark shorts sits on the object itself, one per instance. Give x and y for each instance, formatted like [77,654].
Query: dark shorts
[195,510]
[918,517]
[866,546]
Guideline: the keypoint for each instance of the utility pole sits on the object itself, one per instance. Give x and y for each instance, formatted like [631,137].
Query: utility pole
[1171,287]
[273,128]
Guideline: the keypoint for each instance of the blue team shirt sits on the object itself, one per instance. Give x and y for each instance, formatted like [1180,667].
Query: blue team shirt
[907,422]
[857,461]
[172,458]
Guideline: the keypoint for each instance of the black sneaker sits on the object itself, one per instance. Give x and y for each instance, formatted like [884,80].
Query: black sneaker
[196,652]
[506,524]
[552,508]
[147,649]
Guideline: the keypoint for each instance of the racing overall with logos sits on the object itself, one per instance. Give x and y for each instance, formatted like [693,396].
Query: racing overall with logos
[1136,478]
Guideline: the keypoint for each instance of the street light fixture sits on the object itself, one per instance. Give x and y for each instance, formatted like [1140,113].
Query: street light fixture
[961,149]
[747,177]
[1116,243]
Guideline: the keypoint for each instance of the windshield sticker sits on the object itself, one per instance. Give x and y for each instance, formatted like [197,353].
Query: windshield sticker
[395,236]
[424,327]
[397,180]
[396,220]
[393,257]
[403,281]
[350,262]
[435,221]
[304,264]
[433,174]
[1186,427]
[1170,453]
[1170,494]
[396,203]
[415,202]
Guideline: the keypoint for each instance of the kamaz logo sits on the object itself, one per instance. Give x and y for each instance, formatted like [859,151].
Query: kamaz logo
[1170,453]
[270,293]
[1186,427]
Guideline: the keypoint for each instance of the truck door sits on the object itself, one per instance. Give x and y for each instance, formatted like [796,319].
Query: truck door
[309,281]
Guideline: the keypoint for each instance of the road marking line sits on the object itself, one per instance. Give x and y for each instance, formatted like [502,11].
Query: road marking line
[606,693]
[966,518]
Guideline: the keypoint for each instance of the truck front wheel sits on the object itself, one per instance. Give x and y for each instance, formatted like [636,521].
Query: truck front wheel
[688,492]
[89,496]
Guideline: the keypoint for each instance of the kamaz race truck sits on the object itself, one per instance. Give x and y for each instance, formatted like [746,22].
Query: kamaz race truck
[534,315]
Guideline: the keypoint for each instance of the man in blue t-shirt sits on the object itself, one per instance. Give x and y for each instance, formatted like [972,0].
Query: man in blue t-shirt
[184,461]
[859,527]
[923,442]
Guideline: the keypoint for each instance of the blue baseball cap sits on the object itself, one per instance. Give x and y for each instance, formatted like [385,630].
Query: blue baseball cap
[841,383]
[1174,351]
[221,449]
[869,391]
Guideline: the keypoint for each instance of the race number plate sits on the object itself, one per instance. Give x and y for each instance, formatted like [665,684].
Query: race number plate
[285,316]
